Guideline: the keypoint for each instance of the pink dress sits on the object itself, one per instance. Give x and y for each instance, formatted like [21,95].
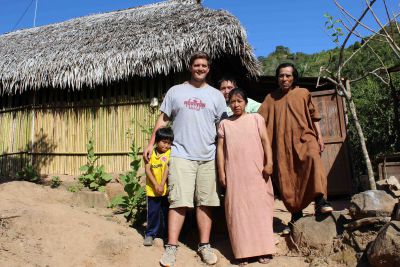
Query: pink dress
[249,198]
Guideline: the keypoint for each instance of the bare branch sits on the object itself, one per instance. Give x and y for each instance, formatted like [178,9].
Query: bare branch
[341,92]
[380,78]
[394,47]
[321,69]
[388,16]
[378,57]
[354,33]
[355,52]
[9,217]
[395,22]
[341,8]
[366,221]
[374,72]
[345,17]
[376,17]
[360,78]
[348,37]
[389,38]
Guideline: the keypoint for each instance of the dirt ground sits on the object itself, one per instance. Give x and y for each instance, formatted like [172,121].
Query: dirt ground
[40,226]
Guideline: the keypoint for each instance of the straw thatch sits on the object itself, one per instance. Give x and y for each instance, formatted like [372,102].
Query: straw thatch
[103,48]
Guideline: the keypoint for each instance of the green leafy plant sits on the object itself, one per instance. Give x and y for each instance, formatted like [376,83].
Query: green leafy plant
[148,130]
[330,25]
[134,203]
[55,182]
[29,174]
[94,177]
[145,127]
[75,188]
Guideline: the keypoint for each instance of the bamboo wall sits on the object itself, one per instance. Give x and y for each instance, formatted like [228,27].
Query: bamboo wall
[63,120]
[14,136]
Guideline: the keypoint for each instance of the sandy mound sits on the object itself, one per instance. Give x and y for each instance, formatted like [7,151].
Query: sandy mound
[40,227]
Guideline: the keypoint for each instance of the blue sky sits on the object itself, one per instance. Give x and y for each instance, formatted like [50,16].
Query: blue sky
[297,24]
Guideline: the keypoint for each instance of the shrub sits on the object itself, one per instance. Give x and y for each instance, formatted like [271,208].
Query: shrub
[94,177]
[29,174]
[55,182]
[75,188]
[134,203]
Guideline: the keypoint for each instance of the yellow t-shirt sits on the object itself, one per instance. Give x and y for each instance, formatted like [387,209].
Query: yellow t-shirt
[157,166]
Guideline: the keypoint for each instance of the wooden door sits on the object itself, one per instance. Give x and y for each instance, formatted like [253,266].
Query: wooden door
[335,156]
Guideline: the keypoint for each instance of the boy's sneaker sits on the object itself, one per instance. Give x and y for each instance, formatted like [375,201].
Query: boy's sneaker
[169,256]
[148,241]
[207,254]
[323,207]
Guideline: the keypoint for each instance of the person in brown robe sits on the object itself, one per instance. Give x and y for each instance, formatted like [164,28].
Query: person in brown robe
[293,128]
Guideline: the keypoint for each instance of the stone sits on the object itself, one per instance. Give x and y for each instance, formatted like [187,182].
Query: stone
[158,242]
[381,184]
[361,239]
[384,251]
[113,190]
[315,234]
[372,203]
[90,199]
[396,213]
[341,218]
[345,256]
[393,183]
[390,185]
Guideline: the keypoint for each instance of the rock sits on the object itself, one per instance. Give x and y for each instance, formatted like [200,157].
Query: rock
[361,239]
[393,183]
[114,189]
[90,199]
[395,193]
[390,185]
[385,249]
[111,247]
[341,218]
[372,203]
[158,242]
[345,256]
[396,212]
[318,235]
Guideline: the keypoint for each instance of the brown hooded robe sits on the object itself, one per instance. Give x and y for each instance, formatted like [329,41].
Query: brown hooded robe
[298,168]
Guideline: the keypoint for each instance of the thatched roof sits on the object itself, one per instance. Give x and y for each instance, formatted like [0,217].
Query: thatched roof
[102,48]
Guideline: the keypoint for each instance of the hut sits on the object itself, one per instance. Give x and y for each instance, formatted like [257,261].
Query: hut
[94,76]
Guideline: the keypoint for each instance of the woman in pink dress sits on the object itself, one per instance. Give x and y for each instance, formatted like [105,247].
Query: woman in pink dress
[244,166]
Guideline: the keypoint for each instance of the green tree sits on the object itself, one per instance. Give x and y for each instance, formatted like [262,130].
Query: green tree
[337,73]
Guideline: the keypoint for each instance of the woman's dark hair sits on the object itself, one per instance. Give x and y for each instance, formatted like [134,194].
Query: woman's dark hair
[238,91]
[164,133]
[295,73]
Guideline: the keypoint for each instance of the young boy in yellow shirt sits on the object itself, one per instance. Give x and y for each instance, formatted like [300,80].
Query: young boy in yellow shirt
[156,185]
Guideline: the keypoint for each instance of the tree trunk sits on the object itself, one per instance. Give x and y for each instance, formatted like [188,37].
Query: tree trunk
[395,98]
[360,133]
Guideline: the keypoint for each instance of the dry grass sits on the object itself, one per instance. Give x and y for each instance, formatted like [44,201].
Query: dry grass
[103,48]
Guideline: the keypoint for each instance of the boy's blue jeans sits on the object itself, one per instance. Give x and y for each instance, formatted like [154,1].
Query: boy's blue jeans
[157,215]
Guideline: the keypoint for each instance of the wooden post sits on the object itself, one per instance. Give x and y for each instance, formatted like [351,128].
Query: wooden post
[33,129]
